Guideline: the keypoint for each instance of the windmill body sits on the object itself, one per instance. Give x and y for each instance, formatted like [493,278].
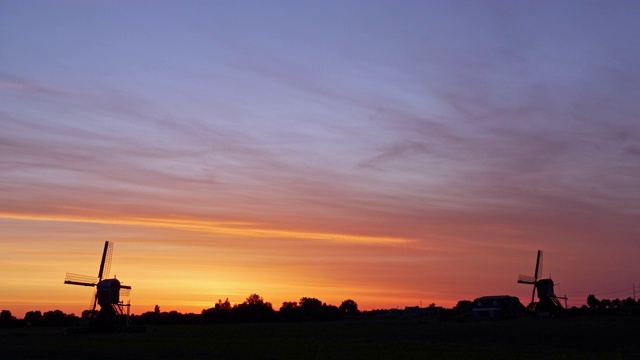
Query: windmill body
[114,313]
[109,292]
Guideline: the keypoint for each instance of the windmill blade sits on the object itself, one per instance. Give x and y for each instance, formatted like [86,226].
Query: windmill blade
[125,291]
[95,302]
[105,263]
[539,266]
[78,279]
[535,277]
[526,279]
[93,299]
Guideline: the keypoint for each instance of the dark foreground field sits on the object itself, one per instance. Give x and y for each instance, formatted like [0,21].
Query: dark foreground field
[573,338]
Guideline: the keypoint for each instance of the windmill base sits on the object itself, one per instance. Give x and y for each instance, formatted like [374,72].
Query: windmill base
[546,307]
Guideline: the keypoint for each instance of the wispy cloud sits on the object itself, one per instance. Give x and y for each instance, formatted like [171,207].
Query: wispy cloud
[13,83]
[226,228]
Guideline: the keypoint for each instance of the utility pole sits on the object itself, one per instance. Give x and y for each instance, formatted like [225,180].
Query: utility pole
[634,292]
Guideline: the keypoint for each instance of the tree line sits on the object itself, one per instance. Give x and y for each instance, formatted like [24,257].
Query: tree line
[37,318]
[610,305]
[253,309]
[256,309]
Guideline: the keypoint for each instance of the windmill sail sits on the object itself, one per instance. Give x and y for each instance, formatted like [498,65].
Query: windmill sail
[105,263]
[92,304]
[539,264]
[78,279]
[532,280]
[537,272]
[526,279]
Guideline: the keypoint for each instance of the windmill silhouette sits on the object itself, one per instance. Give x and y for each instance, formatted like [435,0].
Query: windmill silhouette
[114,313]
[548,301]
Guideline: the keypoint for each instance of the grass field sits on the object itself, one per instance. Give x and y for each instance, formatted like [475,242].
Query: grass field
[571,338]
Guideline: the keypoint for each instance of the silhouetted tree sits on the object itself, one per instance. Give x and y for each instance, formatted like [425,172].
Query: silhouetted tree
[147,318]
[223,305]
[593,302]
[86,314]
[309,302]
[6,319]
[57,318]
[49,318]
[290,311]
[629,302]
[330,312]
[154,317]
[255,300]
[254,308]
[174,317]
[221,312]
[310,308]
[165,318]
[349,307]
[616,304]
[288,305]
[33,318]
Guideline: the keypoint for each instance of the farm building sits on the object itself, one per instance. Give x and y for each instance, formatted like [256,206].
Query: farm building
[497,307]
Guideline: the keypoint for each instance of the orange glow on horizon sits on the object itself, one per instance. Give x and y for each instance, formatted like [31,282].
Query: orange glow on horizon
[179,265]
[173,286]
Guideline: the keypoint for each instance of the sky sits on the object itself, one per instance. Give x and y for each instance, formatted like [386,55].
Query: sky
[396,153]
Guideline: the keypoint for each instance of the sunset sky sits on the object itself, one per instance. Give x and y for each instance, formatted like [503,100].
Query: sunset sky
[390,152]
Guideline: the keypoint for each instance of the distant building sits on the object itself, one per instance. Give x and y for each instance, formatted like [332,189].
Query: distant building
[497,307]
